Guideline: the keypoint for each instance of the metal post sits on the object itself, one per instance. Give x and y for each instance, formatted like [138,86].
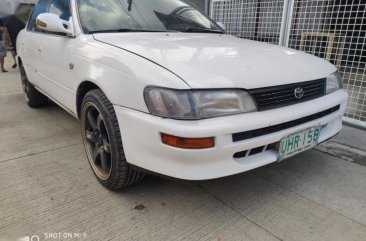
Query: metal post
[286,22]
[258,14]
[354,123]
[207,7]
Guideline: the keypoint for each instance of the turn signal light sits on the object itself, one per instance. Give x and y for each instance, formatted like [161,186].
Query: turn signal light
[188,143]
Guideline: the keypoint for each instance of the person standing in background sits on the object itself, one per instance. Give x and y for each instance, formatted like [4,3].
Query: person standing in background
[13,25]
[3,49]
[14,55]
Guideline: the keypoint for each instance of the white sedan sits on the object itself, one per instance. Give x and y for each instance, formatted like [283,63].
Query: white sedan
[159,87]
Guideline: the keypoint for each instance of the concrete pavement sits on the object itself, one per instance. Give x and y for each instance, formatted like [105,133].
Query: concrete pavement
[47,189]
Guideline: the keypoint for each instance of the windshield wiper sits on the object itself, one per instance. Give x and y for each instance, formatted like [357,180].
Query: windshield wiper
[129,5]
[200,30]
[121,30]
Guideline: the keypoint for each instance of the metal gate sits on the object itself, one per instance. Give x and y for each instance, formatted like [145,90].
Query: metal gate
[331,29]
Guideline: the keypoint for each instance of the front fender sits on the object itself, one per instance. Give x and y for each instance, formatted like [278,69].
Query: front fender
[121,75]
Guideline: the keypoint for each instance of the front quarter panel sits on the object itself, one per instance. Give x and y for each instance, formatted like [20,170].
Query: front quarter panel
[120,74]
[25,51]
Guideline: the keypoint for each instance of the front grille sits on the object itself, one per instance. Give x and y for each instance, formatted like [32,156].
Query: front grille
[283,95]
[268,130]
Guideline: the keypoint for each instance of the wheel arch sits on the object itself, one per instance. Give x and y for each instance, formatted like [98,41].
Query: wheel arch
[19,60]
[83,88]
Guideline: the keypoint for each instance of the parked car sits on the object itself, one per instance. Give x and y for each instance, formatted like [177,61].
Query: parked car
[160,87]
[9,7]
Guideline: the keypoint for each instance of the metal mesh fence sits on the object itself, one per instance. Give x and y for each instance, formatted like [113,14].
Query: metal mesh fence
[331,29]
[335,30]
[256,20]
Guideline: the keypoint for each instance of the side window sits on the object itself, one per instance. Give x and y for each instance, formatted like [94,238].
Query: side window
[59,7]
[41,7]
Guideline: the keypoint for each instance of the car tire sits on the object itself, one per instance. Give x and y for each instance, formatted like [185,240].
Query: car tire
[103,143]
[33,97]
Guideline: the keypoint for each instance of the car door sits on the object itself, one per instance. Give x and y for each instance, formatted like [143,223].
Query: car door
[54,58]
[27,48]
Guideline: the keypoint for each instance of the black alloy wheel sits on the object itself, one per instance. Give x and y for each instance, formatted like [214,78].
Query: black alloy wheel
[32,96]
[97,144]
[103,143]
[25,83]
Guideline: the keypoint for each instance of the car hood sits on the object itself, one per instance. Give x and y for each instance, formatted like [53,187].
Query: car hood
[221,61]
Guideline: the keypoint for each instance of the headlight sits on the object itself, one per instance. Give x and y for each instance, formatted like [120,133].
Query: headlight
[197,104]
[334,82]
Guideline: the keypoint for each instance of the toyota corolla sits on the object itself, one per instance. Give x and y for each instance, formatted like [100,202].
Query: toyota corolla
[158,86]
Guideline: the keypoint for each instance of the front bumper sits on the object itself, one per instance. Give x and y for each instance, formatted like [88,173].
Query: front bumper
[143,146]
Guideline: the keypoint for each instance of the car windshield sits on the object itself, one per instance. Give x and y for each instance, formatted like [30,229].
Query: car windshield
[143,15]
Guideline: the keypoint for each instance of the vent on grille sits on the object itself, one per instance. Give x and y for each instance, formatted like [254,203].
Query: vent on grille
[279,96]
[255,151]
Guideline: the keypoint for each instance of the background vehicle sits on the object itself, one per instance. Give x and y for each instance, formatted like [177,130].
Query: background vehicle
[159,86]
[8,7]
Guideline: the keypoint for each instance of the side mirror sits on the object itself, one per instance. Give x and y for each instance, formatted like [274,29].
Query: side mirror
[53,23]
[221,25]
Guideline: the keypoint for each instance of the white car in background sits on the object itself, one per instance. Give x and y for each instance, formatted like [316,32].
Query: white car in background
[9,7]
[160,87]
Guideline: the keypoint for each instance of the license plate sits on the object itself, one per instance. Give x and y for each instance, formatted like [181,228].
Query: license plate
[299,142]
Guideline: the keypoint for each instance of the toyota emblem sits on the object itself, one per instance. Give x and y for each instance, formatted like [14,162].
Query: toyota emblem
[299,93]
